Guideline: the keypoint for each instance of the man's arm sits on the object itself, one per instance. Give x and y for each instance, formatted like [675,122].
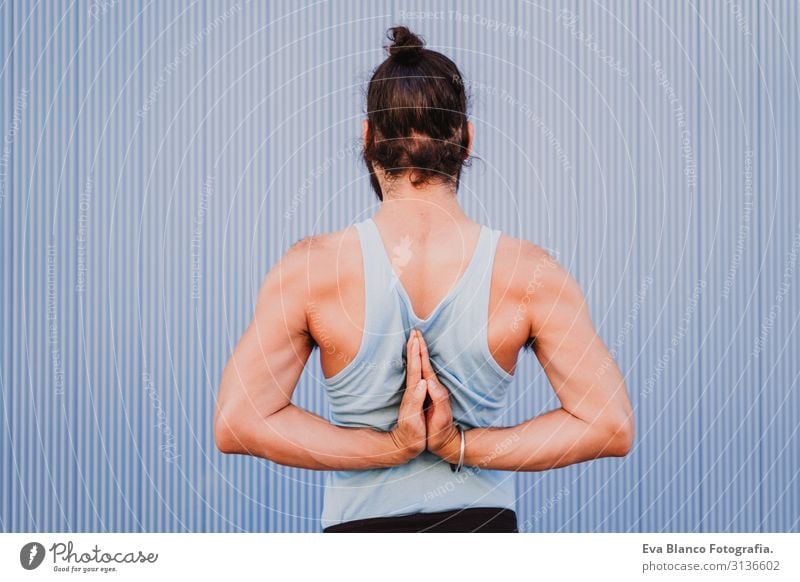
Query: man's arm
[254,414]
[595,418]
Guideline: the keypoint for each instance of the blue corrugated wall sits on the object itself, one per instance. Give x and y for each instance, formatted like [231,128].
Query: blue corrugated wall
[158,157]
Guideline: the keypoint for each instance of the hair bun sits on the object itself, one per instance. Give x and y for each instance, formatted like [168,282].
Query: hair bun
[406,47]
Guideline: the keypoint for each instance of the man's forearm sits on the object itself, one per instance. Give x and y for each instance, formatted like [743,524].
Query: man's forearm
[298,438]
[553,439]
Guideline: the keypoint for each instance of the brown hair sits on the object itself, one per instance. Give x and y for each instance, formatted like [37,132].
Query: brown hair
[416,113]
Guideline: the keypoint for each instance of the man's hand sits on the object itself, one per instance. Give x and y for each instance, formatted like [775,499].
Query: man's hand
[443,436]
[408,434]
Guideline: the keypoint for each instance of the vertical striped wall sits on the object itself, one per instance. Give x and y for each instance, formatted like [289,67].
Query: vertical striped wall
[156,158]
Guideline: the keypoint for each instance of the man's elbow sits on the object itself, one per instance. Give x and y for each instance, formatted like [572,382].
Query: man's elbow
[621,436]
[229,436]
[225,439]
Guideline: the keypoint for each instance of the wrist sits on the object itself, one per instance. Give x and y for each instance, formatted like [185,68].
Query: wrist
[450,448]
[399,452]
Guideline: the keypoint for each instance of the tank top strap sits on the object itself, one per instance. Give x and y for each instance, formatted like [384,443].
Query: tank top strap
[478,276]
[378,275]
[468,313]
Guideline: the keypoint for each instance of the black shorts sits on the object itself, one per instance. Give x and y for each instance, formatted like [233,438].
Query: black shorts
[471,519]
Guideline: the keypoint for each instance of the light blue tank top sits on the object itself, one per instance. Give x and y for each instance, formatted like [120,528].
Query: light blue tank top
[368,391]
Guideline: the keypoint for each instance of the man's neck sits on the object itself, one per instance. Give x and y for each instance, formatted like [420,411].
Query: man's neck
[426,207]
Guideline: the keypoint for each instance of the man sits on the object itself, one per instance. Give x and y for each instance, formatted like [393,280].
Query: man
[392,287]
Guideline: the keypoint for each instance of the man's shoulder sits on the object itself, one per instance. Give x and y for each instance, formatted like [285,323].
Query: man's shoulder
[319,248]
[527,270]
[519,261]
[322,257]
